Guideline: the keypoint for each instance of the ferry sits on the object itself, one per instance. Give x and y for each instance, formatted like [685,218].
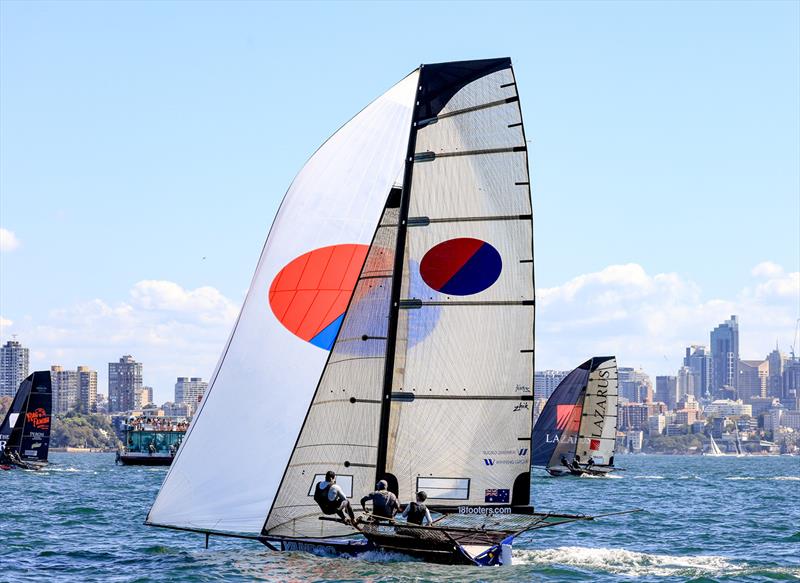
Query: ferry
[151,441]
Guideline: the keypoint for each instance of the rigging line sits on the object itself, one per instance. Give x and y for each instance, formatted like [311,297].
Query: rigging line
[430,120]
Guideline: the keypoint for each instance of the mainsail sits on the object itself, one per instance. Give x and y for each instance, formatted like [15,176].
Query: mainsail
[28,421]
[395,294]
[579,421]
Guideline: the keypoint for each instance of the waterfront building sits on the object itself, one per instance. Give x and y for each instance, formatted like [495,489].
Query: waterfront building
[791,419]
[698,360]
[667,391]
[686,382]
[762,404]
[772,419]
[634,441]
[725,355]
[791,379]
[675,429]
[124,384]
[544,382]
[685,416]
[775,363]
[633,416]
[87,389]
[635,385]
[190,391]
[727,408]
[176,409]
[656,424]
[753,375]
[147,396]
[65,388]
[14,363]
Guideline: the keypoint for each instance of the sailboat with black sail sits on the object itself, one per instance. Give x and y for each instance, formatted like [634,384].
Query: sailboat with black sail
[387,335]
[576,432]
[25,431]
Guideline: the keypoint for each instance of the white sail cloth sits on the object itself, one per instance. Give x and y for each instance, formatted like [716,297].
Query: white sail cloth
[226,473]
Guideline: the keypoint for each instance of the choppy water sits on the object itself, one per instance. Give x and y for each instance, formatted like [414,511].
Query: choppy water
[706,519]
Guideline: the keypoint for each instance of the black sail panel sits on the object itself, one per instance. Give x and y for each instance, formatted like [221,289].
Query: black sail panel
[14,412]
[30,437]
[558,423]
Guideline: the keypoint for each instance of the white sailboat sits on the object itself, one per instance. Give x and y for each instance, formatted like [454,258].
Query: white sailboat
[713,448]
[387,334]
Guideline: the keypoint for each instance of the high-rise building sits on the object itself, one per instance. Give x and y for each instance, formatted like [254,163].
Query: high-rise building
[87,389]
[776,361]
[14,362]
[544,383]
[635,385]
[753,375]
[147,396]
[124,385]
[65,388]
[725,355]
[667,391]
[190,391]
[791,379]
[698,360]
[686,382]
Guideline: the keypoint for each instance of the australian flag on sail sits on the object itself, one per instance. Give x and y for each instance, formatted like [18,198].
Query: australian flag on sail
[500,496]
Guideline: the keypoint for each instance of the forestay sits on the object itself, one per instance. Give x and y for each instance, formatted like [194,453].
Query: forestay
[232,459]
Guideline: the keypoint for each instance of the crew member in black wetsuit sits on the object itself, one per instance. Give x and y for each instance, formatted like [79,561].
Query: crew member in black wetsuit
[384,503]
[332,499]
[417,512]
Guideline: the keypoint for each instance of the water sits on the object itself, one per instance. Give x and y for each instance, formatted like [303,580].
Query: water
[705,519]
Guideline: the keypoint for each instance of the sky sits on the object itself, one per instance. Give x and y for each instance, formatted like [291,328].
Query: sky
[145,147]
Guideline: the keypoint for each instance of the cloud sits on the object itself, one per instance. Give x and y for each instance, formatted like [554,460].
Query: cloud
[8,240]
[171,330]
[648,320]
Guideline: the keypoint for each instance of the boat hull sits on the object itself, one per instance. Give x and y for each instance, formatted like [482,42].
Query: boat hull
[456,555]
[145,460]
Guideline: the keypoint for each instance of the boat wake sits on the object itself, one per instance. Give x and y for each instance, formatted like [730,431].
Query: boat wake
[628,563]
[608,476]
[776,478]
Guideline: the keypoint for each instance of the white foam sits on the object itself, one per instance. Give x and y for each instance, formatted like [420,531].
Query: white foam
[627,563]
[649,477]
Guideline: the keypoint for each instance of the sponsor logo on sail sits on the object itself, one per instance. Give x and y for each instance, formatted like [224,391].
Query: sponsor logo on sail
[568,415]
[523,451]
[488,461]
[38,418]
[594,444]
[461,267]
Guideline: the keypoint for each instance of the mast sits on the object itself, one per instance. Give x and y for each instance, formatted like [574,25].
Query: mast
[397,283]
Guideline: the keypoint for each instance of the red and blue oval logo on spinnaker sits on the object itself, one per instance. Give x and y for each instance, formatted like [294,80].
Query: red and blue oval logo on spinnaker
[309,296]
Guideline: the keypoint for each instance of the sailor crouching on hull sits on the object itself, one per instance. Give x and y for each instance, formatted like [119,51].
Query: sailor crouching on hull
[332,500]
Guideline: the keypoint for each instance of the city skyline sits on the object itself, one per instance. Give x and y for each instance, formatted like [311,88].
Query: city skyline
[144,176]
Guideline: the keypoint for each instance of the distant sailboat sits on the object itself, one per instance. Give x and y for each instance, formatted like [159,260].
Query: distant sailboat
[25,431]
[387,335]
[713,448]
[576,431]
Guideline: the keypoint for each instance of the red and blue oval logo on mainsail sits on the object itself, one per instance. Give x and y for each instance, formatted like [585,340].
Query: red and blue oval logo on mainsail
[461,267]
[310,294]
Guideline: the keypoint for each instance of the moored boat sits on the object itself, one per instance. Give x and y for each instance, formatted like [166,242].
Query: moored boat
[151,441]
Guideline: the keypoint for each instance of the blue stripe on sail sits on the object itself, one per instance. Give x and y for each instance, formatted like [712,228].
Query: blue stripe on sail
[327,336]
